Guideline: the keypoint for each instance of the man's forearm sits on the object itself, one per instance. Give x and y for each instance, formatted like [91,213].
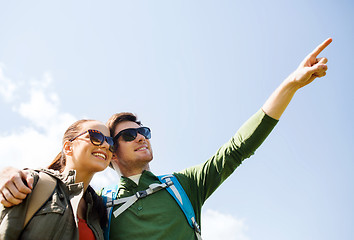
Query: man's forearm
[15,184]
[280,99]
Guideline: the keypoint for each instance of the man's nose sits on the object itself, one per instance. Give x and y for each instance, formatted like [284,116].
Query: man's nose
[140,137]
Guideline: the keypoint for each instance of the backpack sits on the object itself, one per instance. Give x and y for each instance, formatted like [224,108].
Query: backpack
[168,182]
[40,194]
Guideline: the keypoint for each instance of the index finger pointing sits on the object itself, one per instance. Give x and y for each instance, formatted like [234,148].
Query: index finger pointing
[320,47]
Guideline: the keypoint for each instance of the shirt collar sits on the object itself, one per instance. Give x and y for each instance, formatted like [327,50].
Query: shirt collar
[126,182]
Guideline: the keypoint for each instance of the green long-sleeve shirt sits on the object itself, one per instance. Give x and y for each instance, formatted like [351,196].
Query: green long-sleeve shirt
[158,216]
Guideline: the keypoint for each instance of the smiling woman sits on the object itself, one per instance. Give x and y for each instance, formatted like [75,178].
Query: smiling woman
[83,160]
[74,210]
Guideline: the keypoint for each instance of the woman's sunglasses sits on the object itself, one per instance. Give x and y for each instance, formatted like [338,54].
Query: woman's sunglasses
[130,134]
[97,138]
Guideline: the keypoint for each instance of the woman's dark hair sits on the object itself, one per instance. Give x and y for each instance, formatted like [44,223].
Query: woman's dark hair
[59,161]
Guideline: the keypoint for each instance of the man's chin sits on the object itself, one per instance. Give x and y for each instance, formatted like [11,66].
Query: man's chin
[147,157]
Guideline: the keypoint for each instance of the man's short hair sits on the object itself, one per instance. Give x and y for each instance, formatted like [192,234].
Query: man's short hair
[118,118]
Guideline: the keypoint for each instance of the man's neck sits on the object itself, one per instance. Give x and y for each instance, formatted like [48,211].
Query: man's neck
[131,172]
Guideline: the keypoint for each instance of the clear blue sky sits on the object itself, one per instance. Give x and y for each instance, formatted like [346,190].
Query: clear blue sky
[193,71]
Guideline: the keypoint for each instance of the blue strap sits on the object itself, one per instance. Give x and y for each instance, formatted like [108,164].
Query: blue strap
[182,200]
[108,194]
[176,190]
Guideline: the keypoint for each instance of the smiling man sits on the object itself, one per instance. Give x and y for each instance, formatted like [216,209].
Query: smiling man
[132,143]
[158,216]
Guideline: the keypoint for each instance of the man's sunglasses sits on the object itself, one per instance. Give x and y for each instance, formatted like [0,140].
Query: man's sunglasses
[97,138]
[130,134]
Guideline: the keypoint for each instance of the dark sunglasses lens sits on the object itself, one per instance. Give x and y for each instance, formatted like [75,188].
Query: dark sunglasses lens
[96,138]
[110,141]
[129,134]
[145,132]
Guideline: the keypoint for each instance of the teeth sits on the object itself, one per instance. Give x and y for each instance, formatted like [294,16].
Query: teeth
[101,155]
[143,148]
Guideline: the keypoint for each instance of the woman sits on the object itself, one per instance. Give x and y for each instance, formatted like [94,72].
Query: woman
[74,210]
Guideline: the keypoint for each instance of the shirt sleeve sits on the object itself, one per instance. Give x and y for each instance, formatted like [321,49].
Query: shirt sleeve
[201,181]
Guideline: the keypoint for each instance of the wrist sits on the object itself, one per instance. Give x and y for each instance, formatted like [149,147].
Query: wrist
[290,84]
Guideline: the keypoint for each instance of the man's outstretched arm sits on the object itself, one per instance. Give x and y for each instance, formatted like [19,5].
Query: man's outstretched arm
[209,175]
[309,69]
[15,184]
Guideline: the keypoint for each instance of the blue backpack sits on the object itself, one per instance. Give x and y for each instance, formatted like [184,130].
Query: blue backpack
[168,182]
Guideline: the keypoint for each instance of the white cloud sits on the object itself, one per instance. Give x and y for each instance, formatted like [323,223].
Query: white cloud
[36,143]
[7,87]
[220,226]
[45,82]
[39,141]
[41,110]
[28,148]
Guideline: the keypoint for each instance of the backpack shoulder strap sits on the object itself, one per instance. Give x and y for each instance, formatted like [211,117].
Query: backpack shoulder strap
[172,185]
[177,192]
[40,194]
[109,194]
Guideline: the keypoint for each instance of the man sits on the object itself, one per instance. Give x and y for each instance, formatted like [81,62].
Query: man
[158,216]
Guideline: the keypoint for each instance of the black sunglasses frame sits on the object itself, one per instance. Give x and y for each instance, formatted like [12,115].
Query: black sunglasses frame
[101,138]
[130,134]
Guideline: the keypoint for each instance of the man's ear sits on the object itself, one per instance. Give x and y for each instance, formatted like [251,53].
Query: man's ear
[67,148]
[114,157]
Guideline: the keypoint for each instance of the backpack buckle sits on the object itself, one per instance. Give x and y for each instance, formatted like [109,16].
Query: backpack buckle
[141,194]
[196,227]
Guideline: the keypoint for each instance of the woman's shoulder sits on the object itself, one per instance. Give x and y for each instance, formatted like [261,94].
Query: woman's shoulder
[43,174]
[51,172]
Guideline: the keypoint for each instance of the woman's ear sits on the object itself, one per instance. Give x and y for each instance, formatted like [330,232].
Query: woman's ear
[67,148]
